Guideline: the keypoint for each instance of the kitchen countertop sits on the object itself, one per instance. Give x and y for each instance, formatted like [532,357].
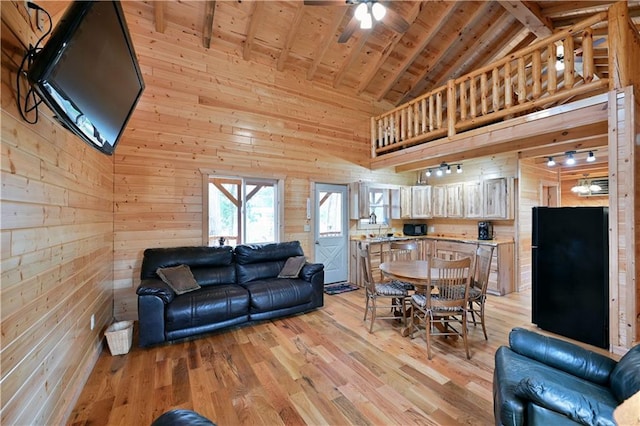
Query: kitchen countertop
[456,238]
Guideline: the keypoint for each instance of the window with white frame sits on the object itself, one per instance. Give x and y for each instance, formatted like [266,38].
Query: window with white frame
[242,210]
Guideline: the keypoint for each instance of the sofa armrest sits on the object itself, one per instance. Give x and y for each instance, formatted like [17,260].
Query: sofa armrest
[573,403]
[156,287]
[562,355]
[310,271]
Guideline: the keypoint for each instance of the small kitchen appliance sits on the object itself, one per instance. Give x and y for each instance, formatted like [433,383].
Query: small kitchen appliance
[414,229]
[485,231]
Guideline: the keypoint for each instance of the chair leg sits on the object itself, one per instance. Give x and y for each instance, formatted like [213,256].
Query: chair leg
[473,317]
[373,313]
[428,321]
[366,306]
[484,328]
[464,333]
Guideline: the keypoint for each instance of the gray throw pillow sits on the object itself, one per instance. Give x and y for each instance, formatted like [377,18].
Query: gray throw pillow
[179,278]
[292,267]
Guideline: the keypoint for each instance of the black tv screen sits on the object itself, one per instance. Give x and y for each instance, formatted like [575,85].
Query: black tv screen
[88,73]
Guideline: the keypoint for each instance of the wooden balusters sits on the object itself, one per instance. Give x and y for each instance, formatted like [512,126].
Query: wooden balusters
[552,72]
[569,68]
[587,55]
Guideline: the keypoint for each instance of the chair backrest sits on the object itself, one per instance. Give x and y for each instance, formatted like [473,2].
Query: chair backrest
[452,279]
[482,268]
[451,250]
[365,266]
[400,250]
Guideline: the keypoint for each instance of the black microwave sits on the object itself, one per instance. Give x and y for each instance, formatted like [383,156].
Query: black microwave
[414,229]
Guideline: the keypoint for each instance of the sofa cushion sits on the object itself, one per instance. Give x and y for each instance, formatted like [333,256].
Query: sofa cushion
[625,377]
[292,267]
[179,278]
[195,257]
[278,293]
[584,407]
[259,253]
[207,305]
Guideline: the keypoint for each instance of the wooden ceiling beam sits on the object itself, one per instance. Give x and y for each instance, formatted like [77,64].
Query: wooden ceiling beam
[350,59]
[159,7]
[389,48]
[207,26]
[530,15]
[253,21]
[418,49]
[456,40]
[322,47]
[291,37]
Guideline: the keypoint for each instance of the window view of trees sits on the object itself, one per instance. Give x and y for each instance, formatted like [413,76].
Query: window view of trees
[242,211]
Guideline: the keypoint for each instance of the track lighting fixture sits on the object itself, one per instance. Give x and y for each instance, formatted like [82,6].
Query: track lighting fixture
[442,169]
[572,156]
[570,161]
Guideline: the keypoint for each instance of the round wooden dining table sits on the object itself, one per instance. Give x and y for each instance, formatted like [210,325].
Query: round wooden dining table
[416,272]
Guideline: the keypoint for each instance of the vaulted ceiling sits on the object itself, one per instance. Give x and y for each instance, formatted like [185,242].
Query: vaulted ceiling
[444,39]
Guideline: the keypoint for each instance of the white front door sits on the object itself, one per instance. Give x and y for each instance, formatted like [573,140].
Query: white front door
[332,231]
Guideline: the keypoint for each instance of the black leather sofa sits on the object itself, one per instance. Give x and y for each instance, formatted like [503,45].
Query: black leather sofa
[238,286]
[540,380]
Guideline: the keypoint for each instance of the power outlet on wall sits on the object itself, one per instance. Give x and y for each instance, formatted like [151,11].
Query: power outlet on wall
[93,321]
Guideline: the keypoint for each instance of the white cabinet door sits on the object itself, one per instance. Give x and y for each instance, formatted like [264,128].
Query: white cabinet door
[497,203]
[439,201]
[405,202]
[472,195]
[454,200]
[420,202]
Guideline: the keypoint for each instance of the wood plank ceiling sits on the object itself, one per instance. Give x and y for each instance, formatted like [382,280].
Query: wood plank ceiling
[445,39]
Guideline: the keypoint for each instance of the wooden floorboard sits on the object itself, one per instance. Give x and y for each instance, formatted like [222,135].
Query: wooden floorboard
[322,367]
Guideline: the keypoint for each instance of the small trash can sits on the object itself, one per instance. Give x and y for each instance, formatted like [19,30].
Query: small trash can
[119,337]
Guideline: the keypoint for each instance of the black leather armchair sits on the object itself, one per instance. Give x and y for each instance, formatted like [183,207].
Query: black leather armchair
[540,380]
[237,286]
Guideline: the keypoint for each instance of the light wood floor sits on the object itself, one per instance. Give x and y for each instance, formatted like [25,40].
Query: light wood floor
[318,368]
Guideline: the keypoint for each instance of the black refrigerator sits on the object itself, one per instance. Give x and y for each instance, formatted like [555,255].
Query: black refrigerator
[570,260]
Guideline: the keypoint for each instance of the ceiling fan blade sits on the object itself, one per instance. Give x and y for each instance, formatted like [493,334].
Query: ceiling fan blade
[348,30]
[322,2]
[394,21]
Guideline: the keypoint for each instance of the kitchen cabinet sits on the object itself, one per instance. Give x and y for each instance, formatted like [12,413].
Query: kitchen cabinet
[406,202]
[472,200]
[454,202]
[498,194]
[420,202]
[439,201]
[359,200]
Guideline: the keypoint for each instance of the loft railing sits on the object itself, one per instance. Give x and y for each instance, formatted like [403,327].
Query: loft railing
[523,81]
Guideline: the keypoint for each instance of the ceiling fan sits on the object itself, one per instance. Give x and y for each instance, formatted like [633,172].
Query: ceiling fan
[366,13]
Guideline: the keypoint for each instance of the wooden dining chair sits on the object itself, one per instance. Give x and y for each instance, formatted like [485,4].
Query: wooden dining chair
[401,250]
[444,308]
[479,283]
[379,295]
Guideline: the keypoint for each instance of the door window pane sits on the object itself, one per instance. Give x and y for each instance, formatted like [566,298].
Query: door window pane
[330,214]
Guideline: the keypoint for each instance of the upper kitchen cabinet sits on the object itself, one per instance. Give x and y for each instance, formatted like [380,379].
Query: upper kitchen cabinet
[406,202]
[359,200]
[374,200]
[498,196]
[421,202]
[472,200]
[454,204]
[439,201]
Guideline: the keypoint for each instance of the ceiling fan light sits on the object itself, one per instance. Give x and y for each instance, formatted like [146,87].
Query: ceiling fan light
[366,23]
[595,188]
[378,11]
[361,10]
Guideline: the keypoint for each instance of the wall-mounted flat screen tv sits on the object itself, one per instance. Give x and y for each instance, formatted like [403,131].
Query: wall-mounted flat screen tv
[88,73]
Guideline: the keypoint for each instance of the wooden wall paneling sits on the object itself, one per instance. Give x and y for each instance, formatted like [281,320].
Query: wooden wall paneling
[57,251]
[227,116]
[636,208]
[623,293]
